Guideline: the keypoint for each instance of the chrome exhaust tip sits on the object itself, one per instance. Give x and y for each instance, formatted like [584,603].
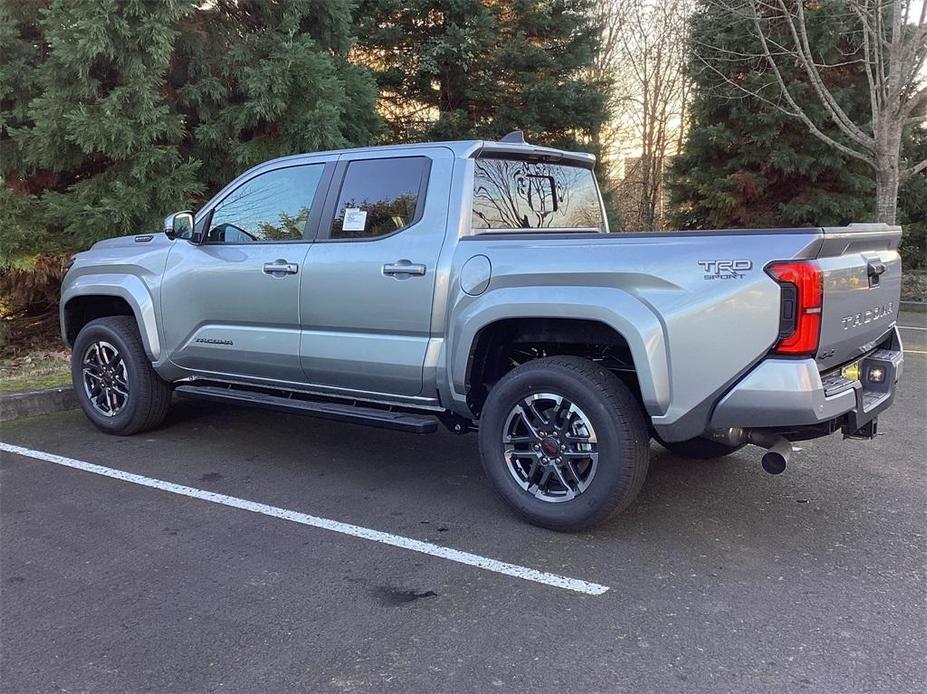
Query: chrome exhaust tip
[774,462]
[778,450]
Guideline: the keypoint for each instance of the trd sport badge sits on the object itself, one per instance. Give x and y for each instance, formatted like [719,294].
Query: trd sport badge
[725,269]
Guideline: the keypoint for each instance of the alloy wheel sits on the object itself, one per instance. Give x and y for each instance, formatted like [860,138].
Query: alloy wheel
[105,378]
[550,447]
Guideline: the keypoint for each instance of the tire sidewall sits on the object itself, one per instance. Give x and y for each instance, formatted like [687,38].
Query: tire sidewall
[92,332]
[613,474]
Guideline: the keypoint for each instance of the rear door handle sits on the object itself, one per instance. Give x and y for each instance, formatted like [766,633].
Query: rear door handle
[281,267]
[403,267]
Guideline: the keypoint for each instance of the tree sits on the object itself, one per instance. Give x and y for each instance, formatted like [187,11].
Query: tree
[91,144]
[891,50]
[117,112]
[609,16]
[114,113]
[649,98]
[912,204]
[475,68]
[747,163]
[258,80]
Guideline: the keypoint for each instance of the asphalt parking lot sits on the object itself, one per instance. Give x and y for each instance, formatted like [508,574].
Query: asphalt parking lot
[719,578]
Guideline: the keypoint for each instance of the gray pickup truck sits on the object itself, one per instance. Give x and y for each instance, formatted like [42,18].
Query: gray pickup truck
[476,284]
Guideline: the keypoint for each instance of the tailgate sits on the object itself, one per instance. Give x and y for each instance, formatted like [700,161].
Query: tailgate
[862,289]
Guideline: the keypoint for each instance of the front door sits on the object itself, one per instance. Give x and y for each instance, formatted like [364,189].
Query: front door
[366,295]
[230,303]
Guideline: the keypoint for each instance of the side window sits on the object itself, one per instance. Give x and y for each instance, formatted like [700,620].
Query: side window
[379,196]
[271,207]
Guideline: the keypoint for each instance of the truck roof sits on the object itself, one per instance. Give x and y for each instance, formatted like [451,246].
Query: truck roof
[465,149]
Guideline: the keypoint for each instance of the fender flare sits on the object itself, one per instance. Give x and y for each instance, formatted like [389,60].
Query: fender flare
[618,309]
[127,287]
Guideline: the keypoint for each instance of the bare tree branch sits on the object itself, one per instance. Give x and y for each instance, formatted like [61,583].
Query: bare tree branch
[800,113]
[803,50]
[893,46]
[651,89]
[916,169]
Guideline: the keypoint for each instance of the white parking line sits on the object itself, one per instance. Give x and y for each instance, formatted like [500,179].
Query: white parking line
[911,327]
[500,567]
[914,351]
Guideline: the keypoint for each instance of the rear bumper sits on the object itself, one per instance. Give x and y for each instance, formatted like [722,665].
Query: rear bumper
[785,393]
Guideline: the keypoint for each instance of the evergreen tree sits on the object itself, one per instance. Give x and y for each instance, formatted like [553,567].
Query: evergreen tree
[258,80]
[117,112]
[21,50]
[912,203]
[452,69]
[94,145]
[744,162]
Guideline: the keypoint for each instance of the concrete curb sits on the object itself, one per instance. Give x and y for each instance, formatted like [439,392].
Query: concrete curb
[33,402]
[915,306]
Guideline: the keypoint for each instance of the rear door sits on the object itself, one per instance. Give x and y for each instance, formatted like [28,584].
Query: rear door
[862,289]
[369,282]
[230,300]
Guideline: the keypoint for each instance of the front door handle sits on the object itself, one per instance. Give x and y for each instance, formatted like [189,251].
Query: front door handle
[281,267]
[403,267]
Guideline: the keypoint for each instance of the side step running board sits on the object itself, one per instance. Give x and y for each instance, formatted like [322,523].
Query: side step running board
[371,416]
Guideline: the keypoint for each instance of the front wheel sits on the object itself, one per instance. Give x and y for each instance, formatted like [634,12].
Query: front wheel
[564,442]
[115,384]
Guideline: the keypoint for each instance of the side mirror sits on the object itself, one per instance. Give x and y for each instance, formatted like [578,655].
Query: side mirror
[179,225]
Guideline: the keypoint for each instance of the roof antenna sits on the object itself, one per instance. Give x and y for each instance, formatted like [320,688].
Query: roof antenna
[516,136]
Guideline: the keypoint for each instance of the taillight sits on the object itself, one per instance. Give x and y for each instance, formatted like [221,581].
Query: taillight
[802,299]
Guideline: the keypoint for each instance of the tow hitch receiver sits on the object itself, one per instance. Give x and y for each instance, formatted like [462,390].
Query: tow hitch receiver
[866,431]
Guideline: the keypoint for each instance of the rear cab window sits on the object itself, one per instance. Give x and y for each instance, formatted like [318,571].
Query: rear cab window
[518,194]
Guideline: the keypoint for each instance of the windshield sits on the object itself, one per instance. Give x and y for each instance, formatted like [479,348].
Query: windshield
[518,194]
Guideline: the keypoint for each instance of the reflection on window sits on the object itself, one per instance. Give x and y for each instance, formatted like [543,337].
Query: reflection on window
[271,207]
[378,197]
[513,194]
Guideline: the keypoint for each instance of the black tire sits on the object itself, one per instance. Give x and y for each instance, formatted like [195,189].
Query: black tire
[149,397]
[699,448]
[623,442]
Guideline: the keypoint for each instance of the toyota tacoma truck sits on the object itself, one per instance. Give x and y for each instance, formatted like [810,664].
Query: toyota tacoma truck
[476,285]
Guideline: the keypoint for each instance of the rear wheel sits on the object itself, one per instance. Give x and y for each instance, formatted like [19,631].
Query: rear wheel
[699,448]
[564,442]
[115,384]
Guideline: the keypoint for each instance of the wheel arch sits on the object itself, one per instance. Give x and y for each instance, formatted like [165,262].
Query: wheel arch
[604,315]
[90,297]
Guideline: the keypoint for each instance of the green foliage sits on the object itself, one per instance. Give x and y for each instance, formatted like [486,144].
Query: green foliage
[21,49]
[93,141]
[114,113]
[289,227]
[459,69]
[747,164]
[451,69]
[912,203]
[259,80]
[117,112]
